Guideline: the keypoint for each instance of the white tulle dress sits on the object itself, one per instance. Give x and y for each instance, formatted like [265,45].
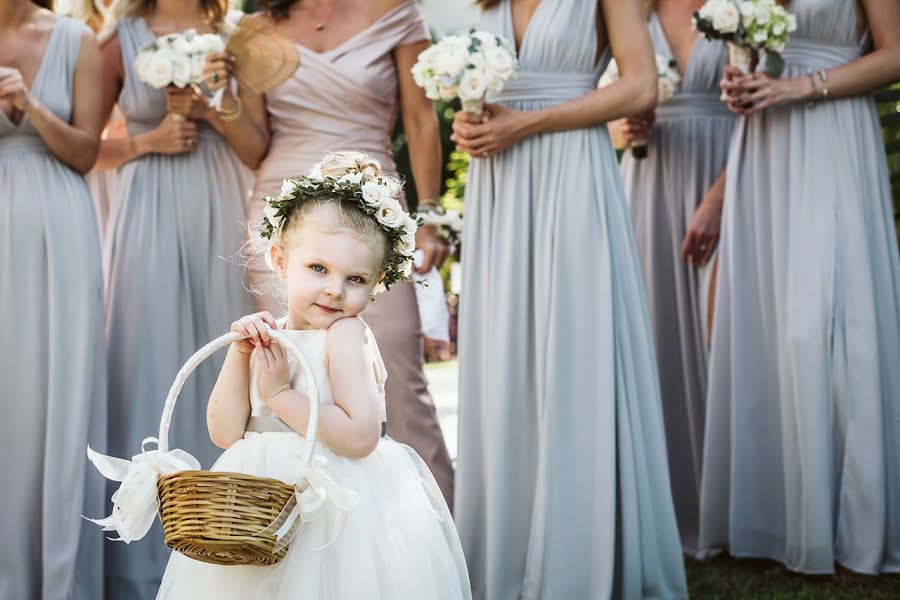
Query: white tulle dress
[384,532]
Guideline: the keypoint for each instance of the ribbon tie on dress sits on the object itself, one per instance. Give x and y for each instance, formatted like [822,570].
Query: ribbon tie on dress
[136,502]
[315,489]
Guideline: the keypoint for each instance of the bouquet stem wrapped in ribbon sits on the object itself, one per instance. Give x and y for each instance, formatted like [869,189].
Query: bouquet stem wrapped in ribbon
[668,79]
[748,27]
[466,67]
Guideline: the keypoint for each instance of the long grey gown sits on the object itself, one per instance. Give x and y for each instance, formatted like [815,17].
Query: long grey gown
[172,288]
[686,153]
[802,455]
[562,483]
[52,356]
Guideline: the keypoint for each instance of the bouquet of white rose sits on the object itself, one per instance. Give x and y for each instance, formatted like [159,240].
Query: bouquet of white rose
[176,59]
[466,67]
[748,27]
[668,79]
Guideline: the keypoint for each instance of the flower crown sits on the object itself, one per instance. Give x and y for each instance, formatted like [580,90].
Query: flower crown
[367,190]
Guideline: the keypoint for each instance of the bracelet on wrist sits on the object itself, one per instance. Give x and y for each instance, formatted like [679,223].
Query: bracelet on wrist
[232,114]
[430,206]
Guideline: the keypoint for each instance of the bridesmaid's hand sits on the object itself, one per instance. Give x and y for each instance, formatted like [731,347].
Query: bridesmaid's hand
[702,235]
[187,102]
[173,136]
[497,129]
[637,127]
[433,246]
[254,328]
[759,91]
[12,87]
[274,372]
[218,71]
[730,84]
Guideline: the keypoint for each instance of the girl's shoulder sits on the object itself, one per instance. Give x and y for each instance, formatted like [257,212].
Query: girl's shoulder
[347,330]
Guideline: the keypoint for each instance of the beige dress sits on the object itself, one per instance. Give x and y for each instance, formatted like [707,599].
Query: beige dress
[346,99]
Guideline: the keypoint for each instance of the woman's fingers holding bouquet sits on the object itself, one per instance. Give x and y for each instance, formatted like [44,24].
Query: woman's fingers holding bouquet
[218,70]
[499,129]
[174,135]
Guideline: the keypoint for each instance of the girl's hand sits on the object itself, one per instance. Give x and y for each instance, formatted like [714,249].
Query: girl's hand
[187,102]
[254,327]
[730,86]
[218,71]
[433,245]
[173,136]
[702,235]
[274,372]
[759,91]
[13,88]
[497,129]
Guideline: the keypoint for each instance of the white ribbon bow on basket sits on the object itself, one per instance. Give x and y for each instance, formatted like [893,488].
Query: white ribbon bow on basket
[136,503]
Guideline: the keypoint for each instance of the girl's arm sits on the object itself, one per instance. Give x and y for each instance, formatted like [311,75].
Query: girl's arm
[229,402]
[247,127]
[352,426]
[861,76]
[173,136]
[74,144]
[633,93]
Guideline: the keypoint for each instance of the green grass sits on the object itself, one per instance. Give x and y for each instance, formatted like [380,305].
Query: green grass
[724,578]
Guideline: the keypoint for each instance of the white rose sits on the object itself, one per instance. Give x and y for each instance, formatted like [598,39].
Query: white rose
[405,268]
[727,18]
[748,9]
[499,59]
[391,214]
[198,63]
[450,63]
[763,14]
[779,28]
[316,174]
[158,68]
[409,228]
[472,85]
[405,247]
[379,288]
[708,10]
[288,187]
[166,41]
[374,194]
[180,45]
[352,177]
[667,89]
[269,212]
[394,189]
[487,39]
[181,70]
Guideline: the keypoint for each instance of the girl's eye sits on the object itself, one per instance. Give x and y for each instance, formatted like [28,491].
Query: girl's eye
[356,279]
[317,268]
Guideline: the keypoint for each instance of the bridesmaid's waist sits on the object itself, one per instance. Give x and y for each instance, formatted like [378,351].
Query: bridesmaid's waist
[17,144]
[546,86]
[697,105]
[815,54]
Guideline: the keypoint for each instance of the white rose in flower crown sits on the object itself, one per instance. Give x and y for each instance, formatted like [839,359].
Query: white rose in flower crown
[406,268]
[410,228]
[405,247]
[181,70]
[379,288]
[472,85]
[391,214]
[353,177]
[158,68]
[727,18]
[394,189]
[316,174]
[375,194]
[288,188]
[269,212]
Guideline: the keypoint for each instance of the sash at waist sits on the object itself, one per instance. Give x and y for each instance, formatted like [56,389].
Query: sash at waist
[692,105]
[818,54]
[271,424]
[16,143]
[547,86]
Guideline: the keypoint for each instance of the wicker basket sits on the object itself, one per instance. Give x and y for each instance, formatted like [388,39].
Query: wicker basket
[217,517]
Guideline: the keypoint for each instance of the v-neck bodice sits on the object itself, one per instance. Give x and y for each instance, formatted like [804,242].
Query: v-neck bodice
[346,97]
[52,86]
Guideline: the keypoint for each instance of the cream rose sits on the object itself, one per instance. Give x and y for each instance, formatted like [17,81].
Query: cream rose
[472,85]
[288,187]
[181,70]
[158,68]
[352,177]
[727,18]
[375,194]
[270,213]
[391,214]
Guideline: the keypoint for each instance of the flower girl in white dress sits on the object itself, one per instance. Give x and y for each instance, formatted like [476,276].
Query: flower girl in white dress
[381,530]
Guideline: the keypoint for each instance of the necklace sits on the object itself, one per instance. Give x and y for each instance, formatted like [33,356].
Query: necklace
[319,24]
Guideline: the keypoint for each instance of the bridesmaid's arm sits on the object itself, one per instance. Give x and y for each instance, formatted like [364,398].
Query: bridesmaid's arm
[420,125]
[861,76]
[171,137]
[74,144]
[635,92]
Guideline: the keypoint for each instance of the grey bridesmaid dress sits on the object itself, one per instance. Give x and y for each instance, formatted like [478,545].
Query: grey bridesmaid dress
[802,455]
[173,286]
[562,482]
[52,359]
[686,154]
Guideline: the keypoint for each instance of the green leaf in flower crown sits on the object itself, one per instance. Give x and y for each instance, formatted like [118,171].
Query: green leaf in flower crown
[774,65]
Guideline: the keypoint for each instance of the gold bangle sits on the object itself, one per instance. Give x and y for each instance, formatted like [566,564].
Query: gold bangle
[234,113]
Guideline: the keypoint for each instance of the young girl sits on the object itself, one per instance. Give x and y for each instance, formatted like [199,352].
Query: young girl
[384,531]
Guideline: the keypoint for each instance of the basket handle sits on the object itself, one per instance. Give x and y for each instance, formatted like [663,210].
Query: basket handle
[312,390]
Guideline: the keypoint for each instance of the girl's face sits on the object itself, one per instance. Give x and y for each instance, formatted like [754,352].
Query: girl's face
[330,270]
